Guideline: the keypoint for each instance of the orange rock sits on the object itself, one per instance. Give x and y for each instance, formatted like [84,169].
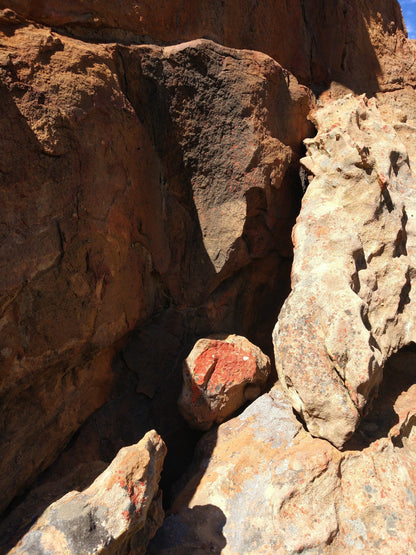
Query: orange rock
[361,45]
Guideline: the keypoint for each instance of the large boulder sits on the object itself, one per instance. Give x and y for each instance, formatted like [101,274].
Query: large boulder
[119,513]
[261,484]
[353,276]
[221,374]
[227,126]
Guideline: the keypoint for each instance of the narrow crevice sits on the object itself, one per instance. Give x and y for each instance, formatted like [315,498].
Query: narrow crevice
[360,264]
[404,294]
[383,418]
[400,244]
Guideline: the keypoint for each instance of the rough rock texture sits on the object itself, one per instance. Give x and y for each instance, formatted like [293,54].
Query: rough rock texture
[77,278]
[261,484]
[353,275]
[115,164]
[119,513]
[221,374]
[227,126]
[359,44]
[153,188]
[24,514]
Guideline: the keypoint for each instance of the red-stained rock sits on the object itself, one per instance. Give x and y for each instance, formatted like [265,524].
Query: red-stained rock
[220,375]
[119,513]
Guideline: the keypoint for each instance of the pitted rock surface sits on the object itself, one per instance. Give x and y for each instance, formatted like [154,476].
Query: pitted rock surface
[220,375]
[119,513]
[353,277]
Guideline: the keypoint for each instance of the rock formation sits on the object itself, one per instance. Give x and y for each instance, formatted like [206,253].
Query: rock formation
[220,374]
[118,513]
[353,273]
[150,180]
[359,44]
[261,484]
[148,176]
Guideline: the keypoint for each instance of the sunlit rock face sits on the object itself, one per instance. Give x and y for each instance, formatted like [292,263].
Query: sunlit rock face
[261,484]
[353,274]
[360,44]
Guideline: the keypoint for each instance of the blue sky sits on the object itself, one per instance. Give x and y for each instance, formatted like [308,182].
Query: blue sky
[409,13]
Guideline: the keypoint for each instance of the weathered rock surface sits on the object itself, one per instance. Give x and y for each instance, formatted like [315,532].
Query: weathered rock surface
[119,513]
[353,275]
[118,166]
[157,184]
[359,44]
[19,520]
[74,277]
[221,374]
[227,125]
[262,485]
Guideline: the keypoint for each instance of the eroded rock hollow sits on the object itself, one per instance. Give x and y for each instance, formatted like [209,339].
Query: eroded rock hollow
[153,160]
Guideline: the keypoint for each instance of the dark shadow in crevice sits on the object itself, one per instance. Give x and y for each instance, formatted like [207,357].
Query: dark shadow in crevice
[400,243]
[199,531]
[398,376]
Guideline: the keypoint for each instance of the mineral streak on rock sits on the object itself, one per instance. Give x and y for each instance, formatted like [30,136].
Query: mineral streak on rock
[119,513]
[352,301]
[220,375]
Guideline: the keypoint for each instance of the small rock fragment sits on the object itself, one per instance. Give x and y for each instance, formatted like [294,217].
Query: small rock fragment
[220,375]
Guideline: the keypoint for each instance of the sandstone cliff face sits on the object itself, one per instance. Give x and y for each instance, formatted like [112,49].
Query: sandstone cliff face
[353,42]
